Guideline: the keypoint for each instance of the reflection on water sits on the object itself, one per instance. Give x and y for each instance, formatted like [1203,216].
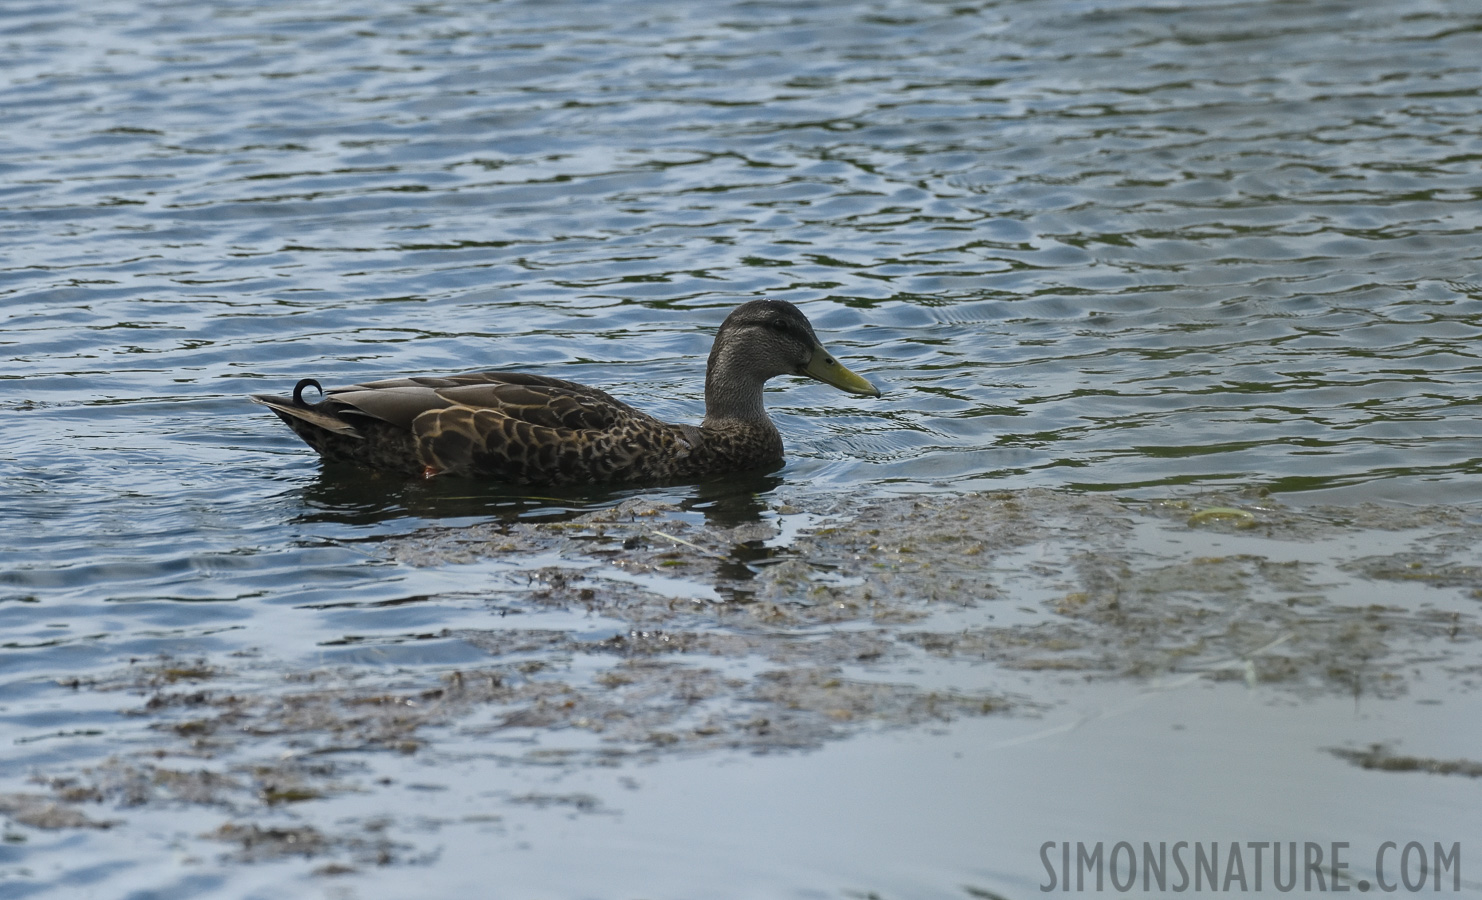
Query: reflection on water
[729,502]
[348,495]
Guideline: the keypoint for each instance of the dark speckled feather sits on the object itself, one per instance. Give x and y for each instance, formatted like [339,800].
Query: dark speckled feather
[528,429]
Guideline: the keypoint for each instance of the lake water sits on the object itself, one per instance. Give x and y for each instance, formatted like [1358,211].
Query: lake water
[1202,253]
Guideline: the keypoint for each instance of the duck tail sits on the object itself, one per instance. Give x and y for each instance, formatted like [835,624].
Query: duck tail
[298,390]
[318,415]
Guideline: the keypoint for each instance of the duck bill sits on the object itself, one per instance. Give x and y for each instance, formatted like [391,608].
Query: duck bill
[830,371]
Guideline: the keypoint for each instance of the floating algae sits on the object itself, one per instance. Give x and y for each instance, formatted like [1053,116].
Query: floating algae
[767,636]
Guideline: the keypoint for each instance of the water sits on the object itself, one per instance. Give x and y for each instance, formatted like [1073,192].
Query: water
[1143,250]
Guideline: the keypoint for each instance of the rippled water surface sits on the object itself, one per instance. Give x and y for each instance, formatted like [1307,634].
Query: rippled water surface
[1141,249]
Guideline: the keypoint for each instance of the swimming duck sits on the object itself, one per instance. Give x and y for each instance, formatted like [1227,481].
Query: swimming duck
[528,429]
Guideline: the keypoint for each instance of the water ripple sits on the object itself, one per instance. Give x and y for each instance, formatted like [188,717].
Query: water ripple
[1110,246]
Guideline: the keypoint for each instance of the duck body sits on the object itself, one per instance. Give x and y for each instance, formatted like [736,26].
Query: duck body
[529,429]
[524,429]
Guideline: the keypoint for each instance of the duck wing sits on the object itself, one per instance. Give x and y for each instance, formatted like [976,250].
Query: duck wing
[531,429]
[550,402]
[546,402]
[506,425]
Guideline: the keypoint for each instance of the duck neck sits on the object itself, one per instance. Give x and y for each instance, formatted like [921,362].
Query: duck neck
[733,393]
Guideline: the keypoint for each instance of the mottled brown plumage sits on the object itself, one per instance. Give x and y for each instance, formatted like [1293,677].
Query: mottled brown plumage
[528,429]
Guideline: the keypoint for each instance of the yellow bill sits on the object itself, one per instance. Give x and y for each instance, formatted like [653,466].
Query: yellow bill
[828,370]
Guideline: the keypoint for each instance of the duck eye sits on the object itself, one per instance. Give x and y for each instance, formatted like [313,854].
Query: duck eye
[777,325]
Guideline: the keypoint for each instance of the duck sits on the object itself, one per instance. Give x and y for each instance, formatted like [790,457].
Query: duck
[534,430]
